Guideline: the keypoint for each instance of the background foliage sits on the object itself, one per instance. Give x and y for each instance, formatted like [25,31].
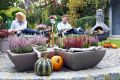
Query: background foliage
[38,11]
[5,4]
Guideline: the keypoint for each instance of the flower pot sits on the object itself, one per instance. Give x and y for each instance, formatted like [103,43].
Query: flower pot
[49,53]
[4,45]
[23,62]
[82,60]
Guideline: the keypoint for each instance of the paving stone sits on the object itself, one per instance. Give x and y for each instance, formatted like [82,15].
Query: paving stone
[107,69]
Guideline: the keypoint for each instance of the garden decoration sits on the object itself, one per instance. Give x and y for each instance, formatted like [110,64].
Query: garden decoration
[52,20]
[43,67]
[79,53]
[109,45]
[82,58]
[57,62]
[42,52]
[21,53]
[114,46]
[39,44]
[101,30]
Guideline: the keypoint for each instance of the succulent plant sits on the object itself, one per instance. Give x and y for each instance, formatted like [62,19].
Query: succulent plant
[38,40]
[20,45]
[41,48]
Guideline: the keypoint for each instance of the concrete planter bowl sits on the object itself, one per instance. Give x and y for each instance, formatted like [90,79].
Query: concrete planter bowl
[82,60]
[23,62]
[76,60]
[49,53]
[4,45]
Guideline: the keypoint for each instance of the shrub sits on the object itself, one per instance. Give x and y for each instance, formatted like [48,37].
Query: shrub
[89,20]
[12,11]
[1,18]
[9,15]
[1,22]
[20,45]
[3,15]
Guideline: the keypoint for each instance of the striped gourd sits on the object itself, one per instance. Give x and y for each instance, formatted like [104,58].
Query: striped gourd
[43,67]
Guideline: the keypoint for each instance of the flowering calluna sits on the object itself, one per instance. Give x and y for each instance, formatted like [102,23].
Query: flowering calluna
[93,41]
[20,44]
[4,33]
[41,26]
[38,40]
[81,41]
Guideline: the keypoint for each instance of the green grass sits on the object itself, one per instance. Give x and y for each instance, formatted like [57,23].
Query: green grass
[115,41]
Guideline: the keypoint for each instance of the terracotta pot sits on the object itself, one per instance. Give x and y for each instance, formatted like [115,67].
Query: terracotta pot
[23,62]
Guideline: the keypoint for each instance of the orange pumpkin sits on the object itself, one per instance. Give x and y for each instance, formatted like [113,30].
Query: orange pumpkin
[57,62]
[114,46]
[107,45]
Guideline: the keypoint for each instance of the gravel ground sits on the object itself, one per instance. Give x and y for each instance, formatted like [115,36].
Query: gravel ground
[108,68]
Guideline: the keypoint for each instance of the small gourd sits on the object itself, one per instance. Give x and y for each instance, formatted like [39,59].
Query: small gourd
[43,67]
[114,46]
[57,62]
[107,45]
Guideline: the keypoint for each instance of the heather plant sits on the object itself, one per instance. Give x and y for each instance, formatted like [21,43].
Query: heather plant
[93,41]
[4,33]
[20,45]
[38,40]
[79,41]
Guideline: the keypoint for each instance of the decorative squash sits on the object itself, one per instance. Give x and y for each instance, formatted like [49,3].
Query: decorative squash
[43,67]
[114,46]
[107,45]
[57,62]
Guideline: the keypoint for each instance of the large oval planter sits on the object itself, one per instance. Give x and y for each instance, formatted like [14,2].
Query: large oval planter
[82,60]
[23,62]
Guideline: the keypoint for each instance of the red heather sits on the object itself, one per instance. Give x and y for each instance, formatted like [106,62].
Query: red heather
[78,41]
[4,33]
